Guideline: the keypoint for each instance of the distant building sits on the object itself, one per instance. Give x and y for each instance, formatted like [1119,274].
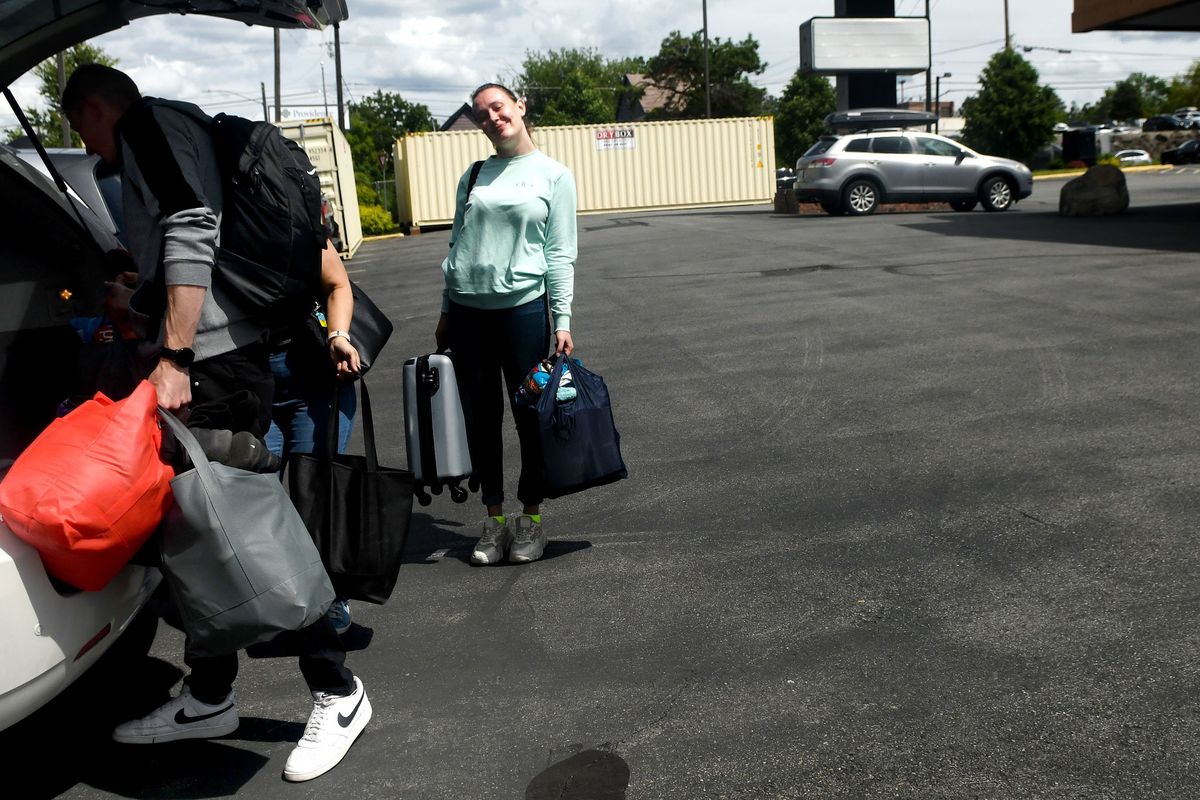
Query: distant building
[461,120]
[945,108]
[631,108]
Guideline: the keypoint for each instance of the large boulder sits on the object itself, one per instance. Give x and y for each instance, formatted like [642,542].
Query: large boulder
[1099,192]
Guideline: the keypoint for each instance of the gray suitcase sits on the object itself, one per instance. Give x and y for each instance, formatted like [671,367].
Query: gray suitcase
[435,429]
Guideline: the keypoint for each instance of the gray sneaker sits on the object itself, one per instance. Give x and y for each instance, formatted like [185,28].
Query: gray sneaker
[493,544]
[528,542]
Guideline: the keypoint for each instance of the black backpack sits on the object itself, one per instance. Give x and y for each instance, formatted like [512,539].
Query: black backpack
[272,231]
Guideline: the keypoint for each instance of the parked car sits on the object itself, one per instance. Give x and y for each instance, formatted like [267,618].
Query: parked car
[1186,153]
[1186,110]
[855,173]
[90,181]
[785,179]
[1133,158]
[1191,119]
[51,274]
[329,216]
[1164,122]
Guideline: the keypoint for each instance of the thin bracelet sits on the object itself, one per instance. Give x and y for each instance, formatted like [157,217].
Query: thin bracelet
[335,334]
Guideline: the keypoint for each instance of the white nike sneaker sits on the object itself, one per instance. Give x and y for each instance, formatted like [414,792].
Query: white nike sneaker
[182,717]
[335,723]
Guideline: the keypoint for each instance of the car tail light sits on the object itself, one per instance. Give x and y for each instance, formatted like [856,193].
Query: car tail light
[821,163]
[95,640]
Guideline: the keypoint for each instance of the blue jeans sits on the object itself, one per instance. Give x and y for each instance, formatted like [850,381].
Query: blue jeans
[492,349]
[302,405]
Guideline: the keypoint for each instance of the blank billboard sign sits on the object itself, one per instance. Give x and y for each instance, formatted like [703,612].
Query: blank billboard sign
[832,45]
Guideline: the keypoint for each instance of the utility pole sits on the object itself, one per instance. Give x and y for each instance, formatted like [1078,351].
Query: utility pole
[1007,35]
[278,110]
[324,94]
[62,83]
[707,89]
[929,61]
[337,64]
[263,86]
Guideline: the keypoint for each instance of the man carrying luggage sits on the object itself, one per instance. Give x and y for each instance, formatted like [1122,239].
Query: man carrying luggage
[210,350]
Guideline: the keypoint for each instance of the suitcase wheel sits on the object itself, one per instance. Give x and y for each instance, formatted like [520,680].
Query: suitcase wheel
[436,488]
[458,494]
[422,496]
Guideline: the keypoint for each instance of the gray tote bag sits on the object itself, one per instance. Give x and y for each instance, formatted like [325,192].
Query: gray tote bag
[237,557]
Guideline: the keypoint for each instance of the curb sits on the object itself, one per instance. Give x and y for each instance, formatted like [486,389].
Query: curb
[1074,173]
[383,236]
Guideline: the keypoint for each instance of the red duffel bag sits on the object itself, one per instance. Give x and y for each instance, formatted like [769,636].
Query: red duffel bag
[90,490]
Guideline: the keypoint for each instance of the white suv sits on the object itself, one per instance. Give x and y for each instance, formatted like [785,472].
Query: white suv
[855,173]
[50,275]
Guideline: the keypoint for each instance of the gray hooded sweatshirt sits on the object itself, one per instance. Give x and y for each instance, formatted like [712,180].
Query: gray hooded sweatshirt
[172,203]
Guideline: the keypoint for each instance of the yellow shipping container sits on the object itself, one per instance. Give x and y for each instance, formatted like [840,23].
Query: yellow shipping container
[329,153]
[623,166]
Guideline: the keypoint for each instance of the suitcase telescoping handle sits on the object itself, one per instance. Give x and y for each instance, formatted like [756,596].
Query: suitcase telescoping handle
[428,383]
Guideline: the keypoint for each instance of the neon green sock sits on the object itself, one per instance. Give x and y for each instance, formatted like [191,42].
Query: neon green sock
[499,518]
[537,518]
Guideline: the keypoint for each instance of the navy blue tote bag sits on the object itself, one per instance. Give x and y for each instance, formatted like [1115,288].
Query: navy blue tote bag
[580,444]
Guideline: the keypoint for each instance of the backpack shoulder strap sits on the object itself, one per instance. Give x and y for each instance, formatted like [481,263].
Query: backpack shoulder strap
[478,165]
[187,109]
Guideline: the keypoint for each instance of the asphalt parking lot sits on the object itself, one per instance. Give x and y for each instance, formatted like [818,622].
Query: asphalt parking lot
[910,514]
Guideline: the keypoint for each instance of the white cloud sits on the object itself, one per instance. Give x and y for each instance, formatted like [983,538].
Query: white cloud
[436,53]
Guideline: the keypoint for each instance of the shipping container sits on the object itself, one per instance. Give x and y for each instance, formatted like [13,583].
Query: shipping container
[329,152]
[623,166]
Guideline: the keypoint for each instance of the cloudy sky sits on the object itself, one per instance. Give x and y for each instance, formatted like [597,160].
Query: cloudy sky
[436,52]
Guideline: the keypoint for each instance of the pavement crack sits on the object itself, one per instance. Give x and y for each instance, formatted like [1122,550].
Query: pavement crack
[651,726]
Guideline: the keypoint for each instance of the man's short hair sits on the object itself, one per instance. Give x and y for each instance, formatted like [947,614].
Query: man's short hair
[99,81]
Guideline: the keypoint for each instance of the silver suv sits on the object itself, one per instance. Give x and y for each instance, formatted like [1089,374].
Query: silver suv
[854,173]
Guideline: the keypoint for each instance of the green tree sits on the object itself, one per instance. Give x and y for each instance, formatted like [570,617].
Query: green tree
[572,86]
[679,69]
[800,115]
[377,122]
[1139,95]
[1012,115]
[48,121]
[1184,90]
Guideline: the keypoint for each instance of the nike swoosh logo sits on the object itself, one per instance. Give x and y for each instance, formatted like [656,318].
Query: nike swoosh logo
[183,719]
[345,721]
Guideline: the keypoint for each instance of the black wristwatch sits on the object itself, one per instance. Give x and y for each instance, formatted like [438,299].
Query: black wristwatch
[182,357]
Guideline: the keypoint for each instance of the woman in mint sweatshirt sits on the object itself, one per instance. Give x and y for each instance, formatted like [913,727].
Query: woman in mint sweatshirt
[510,279]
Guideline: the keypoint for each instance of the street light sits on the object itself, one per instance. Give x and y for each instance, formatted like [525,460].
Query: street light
[937,103]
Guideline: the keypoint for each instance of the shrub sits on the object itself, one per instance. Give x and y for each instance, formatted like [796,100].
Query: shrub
[1056,163]
[1076,164]
[375,220]
[367,196]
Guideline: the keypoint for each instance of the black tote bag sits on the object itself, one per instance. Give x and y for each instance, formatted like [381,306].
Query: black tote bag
[580,444]
[356,511]
[369,331]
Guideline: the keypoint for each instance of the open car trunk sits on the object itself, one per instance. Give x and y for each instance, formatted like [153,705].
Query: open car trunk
[33,30]
[52,271]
